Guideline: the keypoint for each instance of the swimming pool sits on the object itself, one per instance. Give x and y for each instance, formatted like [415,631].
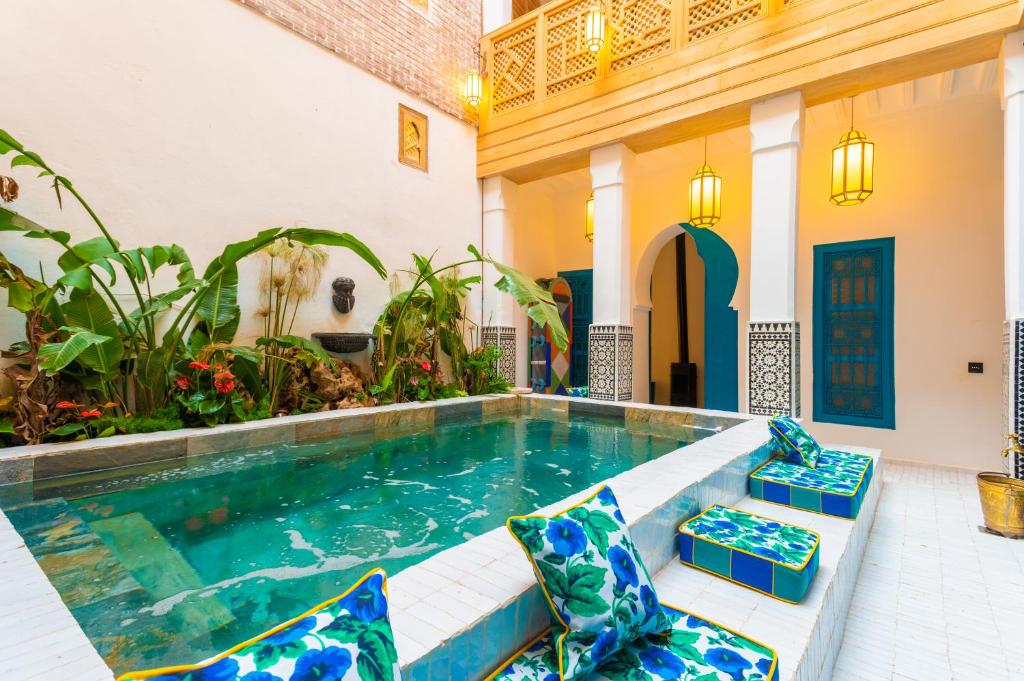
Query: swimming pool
[177,563]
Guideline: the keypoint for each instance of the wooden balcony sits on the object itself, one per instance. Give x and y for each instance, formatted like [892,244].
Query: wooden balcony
[671,70]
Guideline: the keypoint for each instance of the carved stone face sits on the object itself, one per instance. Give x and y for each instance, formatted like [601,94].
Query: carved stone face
[343,298]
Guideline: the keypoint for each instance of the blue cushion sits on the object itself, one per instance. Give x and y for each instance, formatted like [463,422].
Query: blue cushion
[342,640]
[795,444]
[595,583]
[835,487]
[770,556]
[695,648]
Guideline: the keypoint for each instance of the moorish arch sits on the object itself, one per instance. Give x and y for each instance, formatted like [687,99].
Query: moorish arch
[721,320]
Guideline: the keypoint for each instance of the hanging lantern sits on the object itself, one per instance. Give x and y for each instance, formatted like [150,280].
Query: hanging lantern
[593,28]
[589,233]
[853,167]
[474,88]
[705,198]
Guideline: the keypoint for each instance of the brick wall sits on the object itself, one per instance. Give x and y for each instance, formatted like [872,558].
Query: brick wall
[426,52]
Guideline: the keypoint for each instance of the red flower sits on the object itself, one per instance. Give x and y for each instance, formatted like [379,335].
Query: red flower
[425,365]
[91,414]
[199,366]
[224,386]
[183,382]
[224,382]
[64,404]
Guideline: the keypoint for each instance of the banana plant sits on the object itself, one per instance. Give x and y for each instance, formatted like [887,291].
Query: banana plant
[401,329]
[99,334]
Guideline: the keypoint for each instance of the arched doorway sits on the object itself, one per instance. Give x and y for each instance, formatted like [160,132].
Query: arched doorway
[711,323]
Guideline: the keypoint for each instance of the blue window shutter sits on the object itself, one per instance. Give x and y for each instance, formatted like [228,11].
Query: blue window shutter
[853,333]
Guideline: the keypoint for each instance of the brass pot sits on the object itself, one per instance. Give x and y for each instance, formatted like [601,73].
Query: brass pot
[1002,503]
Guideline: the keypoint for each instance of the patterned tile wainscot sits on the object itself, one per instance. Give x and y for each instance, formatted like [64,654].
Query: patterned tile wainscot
[774,375]
[505,338]
[611,362]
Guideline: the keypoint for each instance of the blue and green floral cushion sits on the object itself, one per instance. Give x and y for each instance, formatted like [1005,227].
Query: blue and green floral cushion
[596,585]
[795,443]
[835,487]
[695,649]
[348,637]
[769,556]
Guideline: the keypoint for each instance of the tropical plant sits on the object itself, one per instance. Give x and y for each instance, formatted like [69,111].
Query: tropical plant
[90,337]
[429,317]
[291,273]
[480,374]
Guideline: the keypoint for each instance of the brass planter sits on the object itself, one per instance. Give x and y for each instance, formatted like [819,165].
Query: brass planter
[1002,503]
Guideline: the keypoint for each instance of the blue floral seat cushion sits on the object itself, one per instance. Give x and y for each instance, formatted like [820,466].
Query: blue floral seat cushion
[693,649]
[347,638]
[599,592]
[766,555]
[795,444]
[836,487]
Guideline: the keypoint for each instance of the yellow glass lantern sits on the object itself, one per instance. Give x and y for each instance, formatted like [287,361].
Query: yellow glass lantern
[853,169]
[474,88]
[589,233]
[593,28]
[705,198]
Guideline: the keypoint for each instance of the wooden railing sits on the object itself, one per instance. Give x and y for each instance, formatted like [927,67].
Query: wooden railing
[542,54]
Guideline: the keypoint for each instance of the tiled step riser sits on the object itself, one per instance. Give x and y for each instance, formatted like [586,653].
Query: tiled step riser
[655,497]
[820,657]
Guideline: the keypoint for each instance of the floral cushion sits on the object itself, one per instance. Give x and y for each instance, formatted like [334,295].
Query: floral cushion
[695,649]
[596,585]
[835,487]
[796,445]
[348,637]
[769,556]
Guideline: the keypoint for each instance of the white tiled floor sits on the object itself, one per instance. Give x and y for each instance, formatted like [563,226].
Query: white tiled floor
[936,599]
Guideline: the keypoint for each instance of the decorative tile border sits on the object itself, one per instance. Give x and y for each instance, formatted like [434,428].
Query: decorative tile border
[505,338]
[611,362]
[774,371]
[1013,344]
[41,462]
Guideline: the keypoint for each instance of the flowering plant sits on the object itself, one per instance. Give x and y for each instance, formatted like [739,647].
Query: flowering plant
[84,420]
[208,394]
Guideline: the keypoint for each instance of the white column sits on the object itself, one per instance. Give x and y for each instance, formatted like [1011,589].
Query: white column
[776,128]
[1012,63]
[498,314]
[496,13]
[611,334]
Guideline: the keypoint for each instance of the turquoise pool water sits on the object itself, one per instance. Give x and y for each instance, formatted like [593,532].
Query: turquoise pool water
[173,565]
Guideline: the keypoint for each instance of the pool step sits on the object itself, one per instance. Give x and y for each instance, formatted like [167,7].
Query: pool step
[806,635]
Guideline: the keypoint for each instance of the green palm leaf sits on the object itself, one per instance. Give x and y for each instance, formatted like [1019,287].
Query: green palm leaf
[55,356]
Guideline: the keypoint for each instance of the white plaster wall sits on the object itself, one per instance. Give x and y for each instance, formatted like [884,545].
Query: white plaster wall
[200,122]
[938,178]
[939,192]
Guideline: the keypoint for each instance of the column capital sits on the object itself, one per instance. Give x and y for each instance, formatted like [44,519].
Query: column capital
[777,122]
[610,165]
[1011,63]
[497,193]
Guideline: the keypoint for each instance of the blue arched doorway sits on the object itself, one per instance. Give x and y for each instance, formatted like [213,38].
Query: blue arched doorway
[720,370]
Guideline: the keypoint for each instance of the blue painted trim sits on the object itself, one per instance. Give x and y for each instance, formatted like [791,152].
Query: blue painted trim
[888,305]
[721,321]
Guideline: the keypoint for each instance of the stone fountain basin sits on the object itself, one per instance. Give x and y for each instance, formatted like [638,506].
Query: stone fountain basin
[343,343]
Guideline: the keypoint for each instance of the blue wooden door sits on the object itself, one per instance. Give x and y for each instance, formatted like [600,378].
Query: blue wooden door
[582,284]
[853,333]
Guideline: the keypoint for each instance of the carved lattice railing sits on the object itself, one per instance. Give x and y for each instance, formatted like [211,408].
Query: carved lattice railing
[542,54]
